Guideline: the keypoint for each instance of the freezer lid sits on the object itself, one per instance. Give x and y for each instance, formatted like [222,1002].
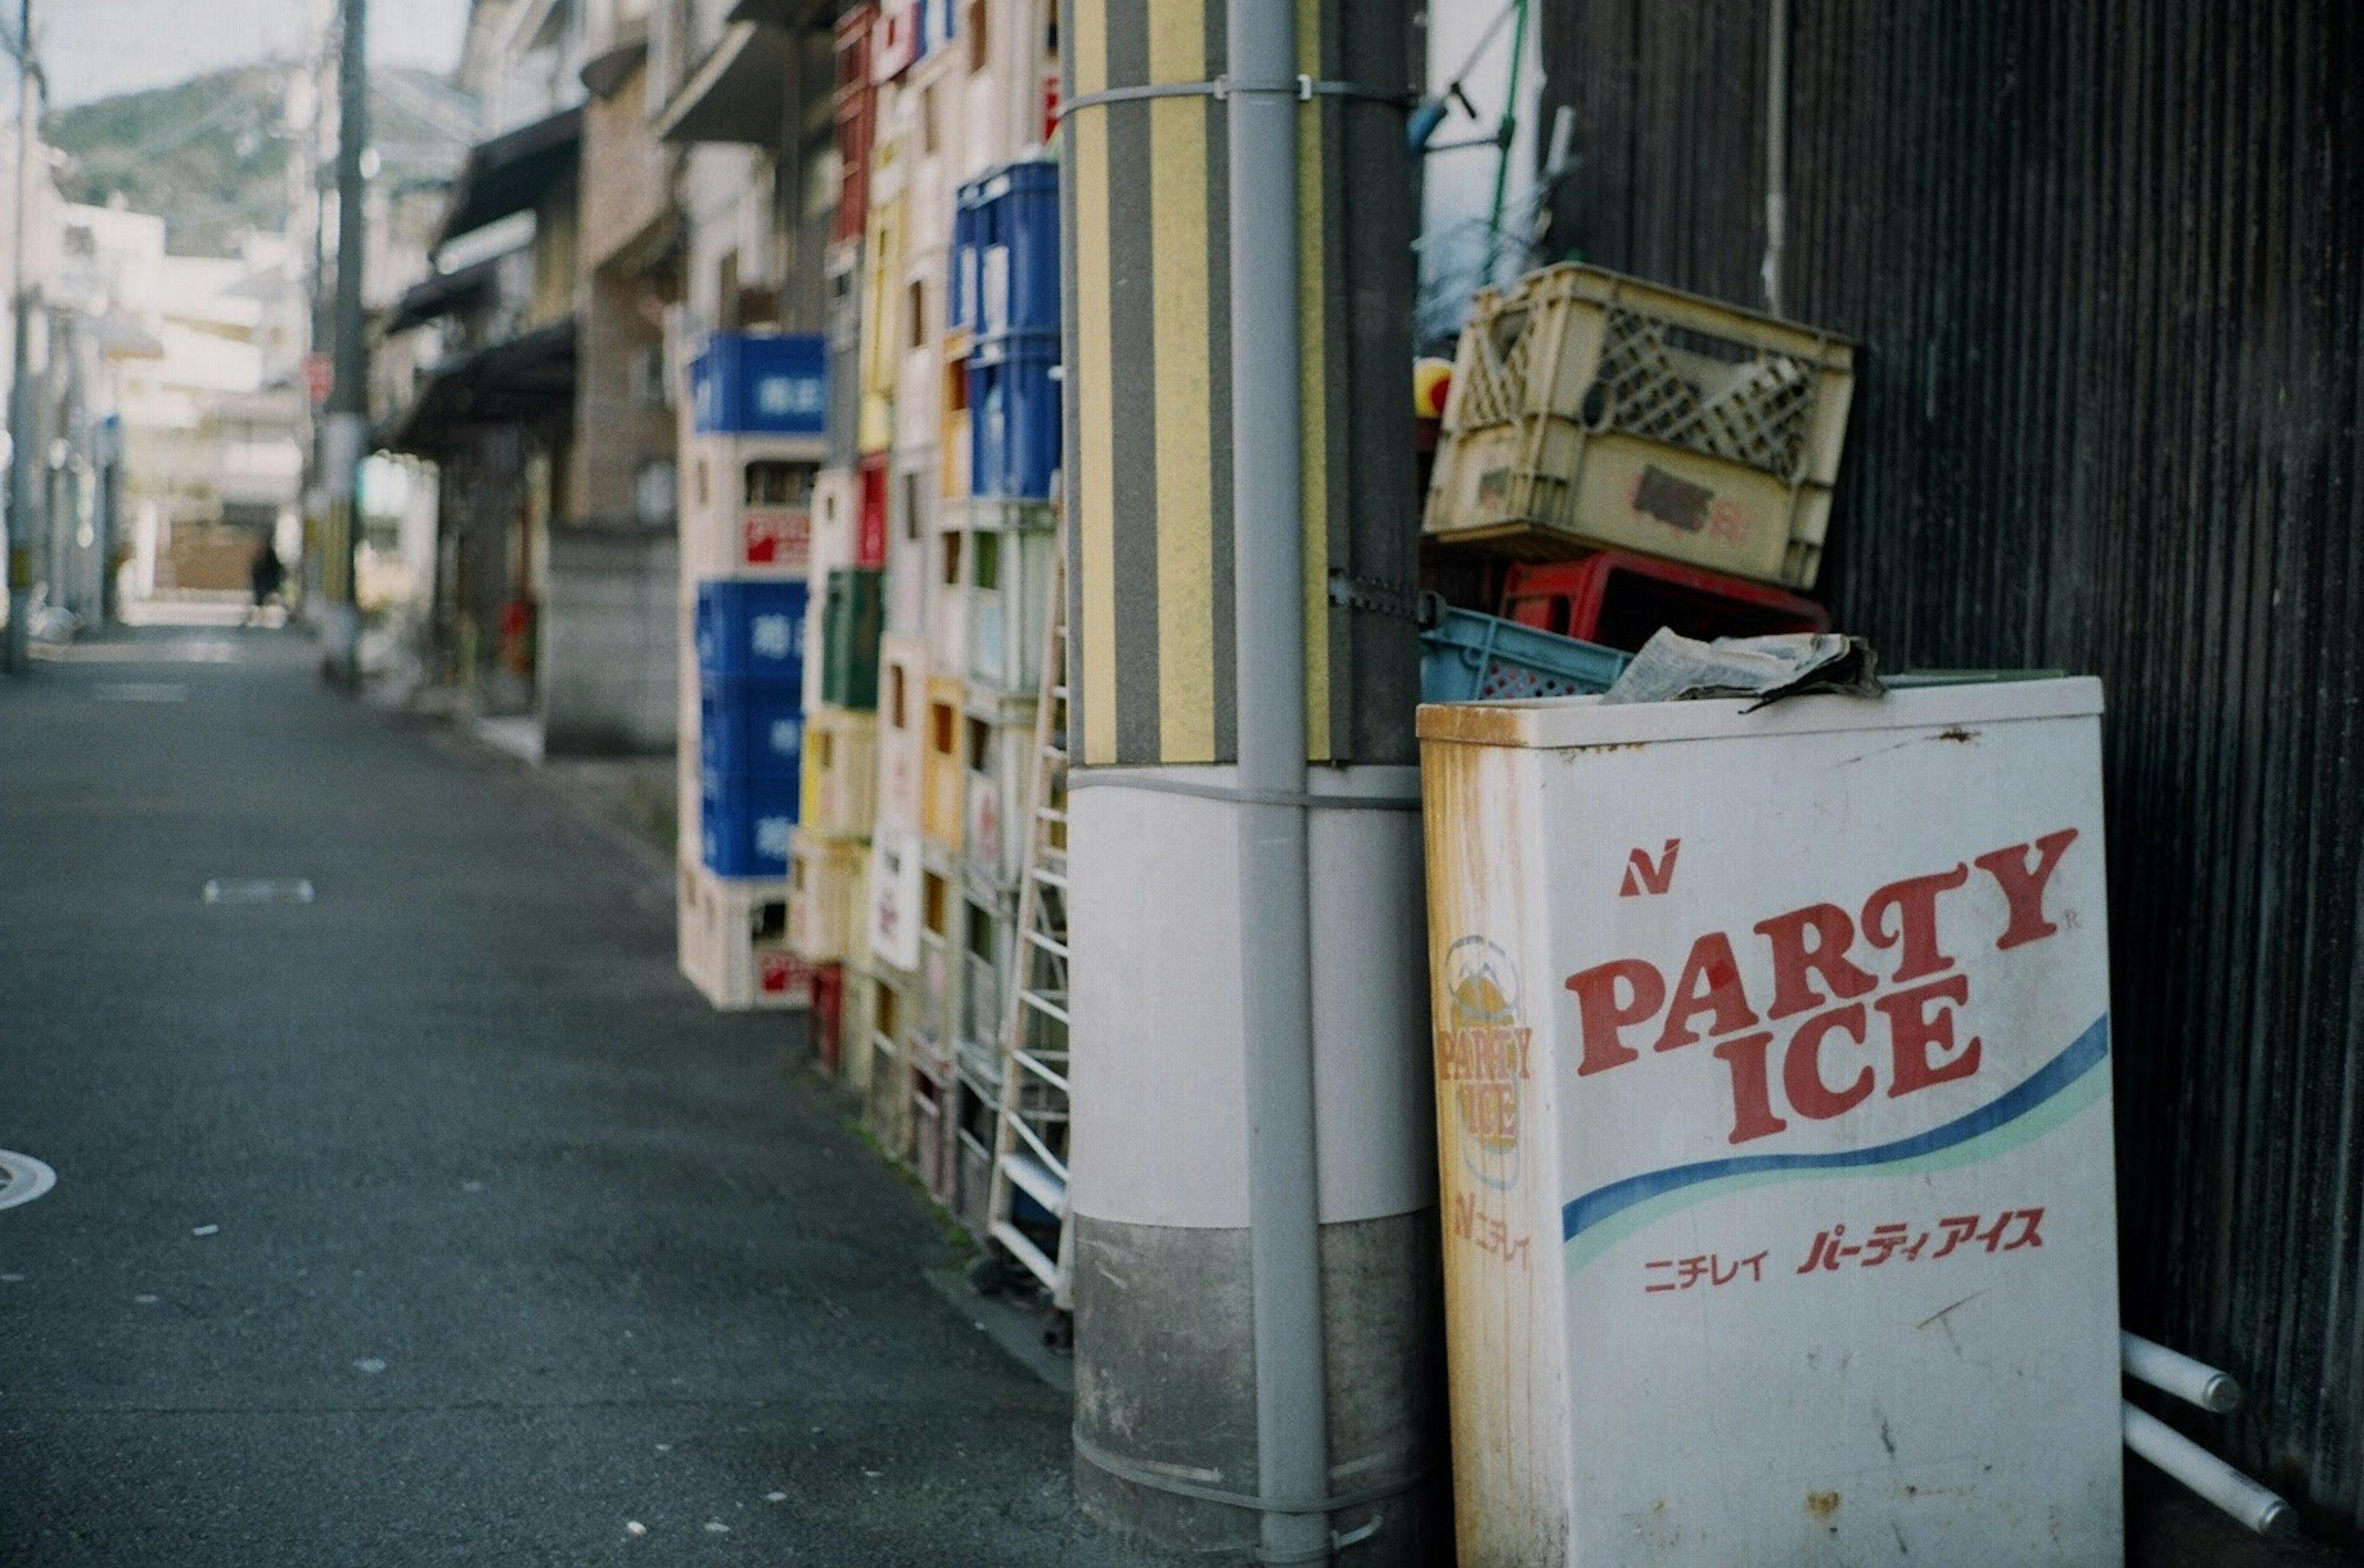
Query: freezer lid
[1553,723]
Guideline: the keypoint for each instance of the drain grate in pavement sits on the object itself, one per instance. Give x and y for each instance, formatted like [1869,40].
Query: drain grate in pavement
[259,890]
[23,1179]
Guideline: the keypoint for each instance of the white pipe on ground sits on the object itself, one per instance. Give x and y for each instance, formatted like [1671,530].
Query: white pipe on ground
[2172,1372]
[2206,1474]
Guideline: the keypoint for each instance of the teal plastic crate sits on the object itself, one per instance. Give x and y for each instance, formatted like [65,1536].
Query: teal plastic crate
[1468,657]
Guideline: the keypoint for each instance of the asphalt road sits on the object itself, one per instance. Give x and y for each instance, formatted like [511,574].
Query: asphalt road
[435,1220]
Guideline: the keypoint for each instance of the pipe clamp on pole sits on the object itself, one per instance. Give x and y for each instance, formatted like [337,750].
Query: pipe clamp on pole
[1304,89]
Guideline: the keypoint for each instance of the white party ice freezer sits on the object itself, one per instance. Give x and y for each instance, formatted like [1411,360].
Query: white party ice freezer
[1773,1103]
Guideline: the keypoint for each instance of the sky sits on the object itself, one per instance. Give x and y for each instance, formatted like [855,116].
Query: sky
[92,49]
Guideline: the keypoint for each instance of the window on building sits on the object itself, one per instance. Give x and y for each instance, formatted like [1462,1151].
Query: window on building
[980,746]
[985,565]
[653,492]
[896,716]
[919,313]
[935,903]
[928,119]
[951,549]
[976,44]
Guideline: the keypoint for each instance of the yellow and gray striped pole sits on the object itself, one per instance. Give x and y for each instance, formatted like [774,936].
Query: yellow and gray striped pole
[1213,1003]
[1149,408]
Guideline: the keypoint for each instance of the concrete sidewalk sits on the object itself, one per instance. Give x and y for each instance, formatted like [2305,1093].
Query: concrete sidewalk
[435,1220]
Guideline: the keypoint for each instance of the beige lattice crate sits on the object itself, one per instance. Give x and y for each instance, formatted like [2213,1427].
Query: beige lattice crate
[1591,410]
[887,1097]
[855,1051]
[837,789]
[825,895]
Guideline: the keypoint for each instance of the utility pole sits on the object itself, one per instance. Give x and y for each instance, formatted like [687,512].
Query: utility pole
[20,423]
[348,424]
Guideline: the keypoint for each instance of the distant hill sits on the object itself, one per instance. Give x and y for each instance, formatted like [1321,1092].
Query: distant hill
[211,155]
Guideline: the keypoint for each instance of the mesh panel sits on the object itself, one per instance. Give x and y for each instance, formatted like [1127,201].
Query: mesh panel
[1498,375]
[1710,394]
[1506,681]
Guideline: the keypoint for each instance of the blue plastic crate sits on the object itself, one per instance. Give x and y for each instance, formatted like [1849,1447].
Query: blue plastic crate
[969,270]
[1006,251]
[1468,656]
[745,821]
[751,629]
[751,726]
[761,384]
[1013,416]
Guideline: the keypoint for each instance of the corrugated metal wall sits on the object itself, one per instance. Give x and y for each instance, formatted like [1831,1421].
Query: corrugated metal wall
[2107,262]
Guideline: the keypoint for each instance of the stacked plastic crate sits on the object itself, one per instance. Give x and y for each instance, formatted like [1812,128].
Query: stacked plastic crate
[954,689]
[753,446]
[1614,457]
[891,443]
[1006,298]
[829,861]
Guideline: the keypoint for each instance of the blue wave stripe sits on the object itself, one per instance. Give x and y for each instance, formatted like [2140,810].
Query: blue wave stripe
[2087,1052]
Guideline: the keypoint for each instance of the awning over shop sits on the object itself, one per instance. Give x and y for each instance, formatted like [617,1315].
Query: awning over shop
[527,377]
[738,92]
[789,13]
[605,72]
[510,173]
[441,294]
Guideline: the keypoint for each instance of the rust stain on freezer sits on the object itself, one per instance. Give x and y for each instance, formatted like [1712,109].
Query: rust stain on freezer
[1475,724]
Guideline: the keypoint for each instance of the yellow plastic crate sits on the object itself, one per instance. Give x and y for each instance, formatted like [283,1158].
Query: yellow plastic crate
[839,774]
[827,908]
[943,769]
[1590,409]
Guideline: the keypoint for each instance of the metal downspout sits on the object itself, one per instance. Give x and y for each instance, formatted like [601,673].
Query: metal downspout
[1292,1417]
[1777,150]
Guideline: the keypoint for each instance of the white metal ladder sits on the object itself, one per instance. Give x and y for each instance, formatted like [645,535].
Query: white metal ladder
[1031,1141]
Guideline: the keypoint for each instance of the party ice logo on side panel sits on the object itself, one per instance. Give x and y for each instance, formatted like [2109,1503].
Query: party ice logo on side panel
[1483,1058]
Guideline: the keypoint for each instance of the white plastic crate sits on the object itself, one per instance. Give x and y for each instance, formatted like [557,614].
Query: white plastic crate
[733,942]
[826,912]
[1008,573]
[747,506]
[841,772]
[894,899]
[912,505]
[948,554]
[1591,409]
[988,926]
[902,705]
[836,522]
[997,751]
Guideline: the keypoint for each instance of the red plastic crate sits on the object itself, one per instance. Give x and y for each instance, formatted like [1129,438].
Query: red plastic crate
[870,523]
[1618,599]
[828,1016]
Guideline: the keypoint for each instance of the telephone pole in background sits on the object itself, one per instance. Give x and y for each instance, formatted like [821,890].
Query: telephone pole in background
[20,425]
[348,424]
